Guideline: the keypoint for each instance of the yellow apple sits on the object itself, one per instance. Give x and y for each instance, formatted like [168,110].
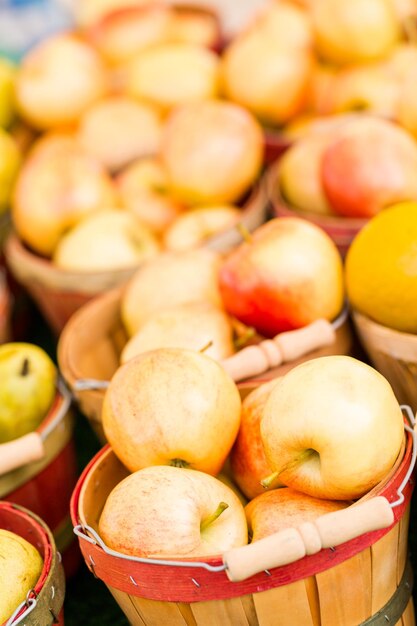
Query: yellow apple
[340,436]
[118,130]
[194,227]
[10,162]
[144,190]
[286,22]
[194,25]
[168,407]
[171,278]
[172,512]
[88,12]
[171,74]
[7,92]
[107,240]
[58,185]
[58,80]
[192,325]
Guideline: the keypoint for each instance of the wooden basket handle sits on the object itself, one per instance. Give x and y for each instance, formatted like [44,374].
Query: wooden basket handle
[291,544]
[259,358]
[18,452]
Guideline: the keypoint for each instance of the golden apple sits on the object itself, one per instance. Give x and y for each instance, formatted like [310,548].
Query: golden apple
[10,162]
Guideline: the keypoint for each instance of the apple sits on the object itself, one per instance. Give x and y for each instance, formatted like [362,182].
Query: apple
[311,124]
[340,436]
[247,458]
[171,74]
[144,190]
[270,80]
[192,325]
[268,284]
[194,227]
[118,130]
[123,33]
[229,143]
[321,88]
[361,30]
[88,12]
[20,569]
[300,174]
[285,21]
[10,162]
[107,240]
[7,95]
[167,407]
[370,165]
[171,278]
[172,512]
[278,509]
[58,80]
[194,25]
[27,388]
[58,185]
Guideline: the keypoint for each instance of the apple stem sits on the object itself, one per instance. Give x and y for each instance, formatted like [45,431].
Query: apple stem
[212,518]
[243,231]
[267,482]
[25,367]
[178,463]
[206,347]
[243,339]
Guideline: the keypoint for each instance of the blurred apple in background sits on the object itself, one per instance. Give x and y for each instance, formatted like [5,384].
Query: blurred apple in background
[267,68]
[27,388]
[370,165]
[10,162]
[192,325]
[194,25]
[337,438]
[195,227]
[212,152]
[247,458]
[361,30]
[170,279]
[7,92]
[88,12]
[282,508]
[118,130]
[143,188]
[266,283]
[58,80]
[20,569]
[57,186]
[109,239]
[172,407]
[193,515]
[171,74]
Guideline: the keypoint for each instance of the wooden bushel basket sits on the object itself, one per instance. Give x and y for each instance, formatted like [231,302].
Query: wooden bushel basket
[91,342]
[363,580]
[59,293]
[44,603]
[393,353]
[341,230]
[39,471]
[5,306]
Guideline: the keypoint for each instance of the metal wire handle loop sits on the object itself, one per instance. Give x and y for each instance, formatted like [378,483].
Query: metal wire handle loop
[30,604]
[62,411]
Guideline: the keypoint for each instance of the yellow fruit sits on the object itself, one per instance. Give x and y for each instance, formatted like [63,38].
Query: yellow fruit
[381,268]
[20,568]
[10,159]
[7,103]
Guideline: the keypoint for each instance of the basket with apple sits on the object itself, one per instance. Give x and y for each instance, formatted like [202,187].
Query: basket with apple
[37,454]
[230,307]
[169,536]
[31,575]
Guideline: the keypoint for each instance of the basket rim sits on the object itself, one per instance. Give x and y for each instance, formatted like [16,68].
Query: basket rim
[400,334]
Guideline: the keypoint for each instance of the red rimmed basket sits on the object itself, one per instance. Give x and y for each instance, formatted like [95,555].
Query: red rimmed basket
[44,603]
[59,293]
[364,580]
[39,471]
[341,230]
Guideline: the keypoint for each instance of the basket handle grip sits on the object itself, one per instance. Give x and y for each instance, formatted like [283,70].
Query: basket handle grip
[291,544]
[22,451]
[288,346]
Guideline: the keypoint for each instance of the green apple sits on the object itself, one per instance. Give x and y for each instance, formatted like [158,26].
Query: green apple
[7,98]
[20,568]
[27,388]
[10,159]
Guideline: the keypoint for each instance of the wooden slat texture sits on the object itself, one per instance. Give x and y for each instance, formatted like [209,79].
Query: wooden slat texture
[123,600]
[403,543]
[284,606]
[345,591]
[156,613]
[384,568]
[221,613]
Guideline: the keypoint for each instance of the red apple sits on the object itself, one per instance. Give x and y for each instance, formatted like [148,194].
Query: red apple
[172,512]
[371,164]
[286,276]
[332,428]
[282,508]
[247,458]
[168,407]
